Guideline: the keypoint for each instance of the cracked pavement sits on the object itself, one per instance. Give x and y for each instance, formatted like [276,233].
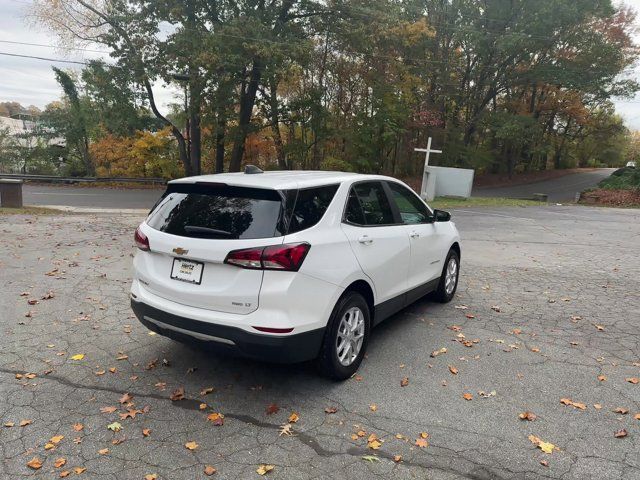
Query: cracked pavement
[565,282]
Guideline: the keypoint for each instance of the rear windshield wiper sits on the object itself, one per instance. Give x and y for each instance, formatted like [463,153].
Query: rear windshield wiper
[206,232]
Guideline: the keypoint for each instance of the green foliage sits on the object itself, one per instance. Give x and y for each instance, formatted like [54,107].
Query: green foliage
[501,86]
[623,179]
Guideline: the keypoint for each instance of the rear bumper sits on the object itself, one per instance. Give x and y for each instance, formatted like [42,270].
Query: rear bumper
[272,348]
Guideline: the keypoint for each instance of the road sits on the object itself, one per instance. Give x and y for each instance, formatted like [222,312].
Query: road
[94,197]
[561,189]
[547,309]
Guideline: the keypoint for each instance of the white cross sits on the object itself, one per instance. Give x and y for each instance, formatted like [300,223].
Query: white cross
[427,152]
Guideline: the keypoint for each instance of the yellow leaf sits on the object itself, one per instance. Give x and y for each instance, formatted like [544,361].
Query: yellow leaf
[191,445]
[104,451]
[56,439]
[264,469]
[77,356]
[59,462]
[293,418]
[35,463]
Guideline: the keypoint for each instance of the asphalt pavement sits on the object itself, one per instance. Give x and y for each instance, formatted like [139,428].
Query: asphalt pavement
[539,352]
[560,189]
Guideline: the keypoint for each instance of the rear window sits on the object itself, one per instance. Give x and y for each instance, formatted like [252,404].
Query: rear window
[218,211]
[226,212]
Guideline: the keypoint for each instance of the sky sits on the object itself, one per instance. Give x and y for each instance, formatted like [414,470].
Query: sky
[31,81]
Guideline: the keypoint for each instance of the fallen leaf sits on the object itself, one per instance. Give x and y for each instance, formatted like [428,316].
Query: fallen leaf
[470,316]
[209,470]
[264,469]
[634,380]
[600,328]
[59,462]
[191,445]
[495,308]
[108,409]
[435,353]
[370,458]
[64,474]
[597,406]
[544,463]
[35,463]
[272,408]
[206,391]
[602,378]
[404,382]
[56,439]
[636,416]
[78,426]
[621,410]
[397,458]
[546,447]
[566,401]
[77,356]
[453,369]
[620,433]
[114,427]
[467,396]
[293,418]
[330,410]
[529,416]
[421,442]
[285,430]
[151,476]
[24,423]
[9,424]
[202,406]
[373,442]
[177,394]
[146,432]
[103,451]
[373,407]
[125,398]
[216,418]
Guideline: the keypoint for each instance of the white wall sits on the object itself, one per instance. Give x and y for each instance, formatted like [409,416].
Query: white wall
[452,182]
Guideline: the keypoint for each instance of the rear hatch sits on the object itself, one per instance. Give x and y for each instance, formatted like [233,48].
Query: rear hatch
[193,228]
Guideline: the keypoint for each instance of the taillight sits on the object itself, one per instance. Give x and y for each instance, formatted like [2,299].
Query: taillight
[142,242]
[287,257]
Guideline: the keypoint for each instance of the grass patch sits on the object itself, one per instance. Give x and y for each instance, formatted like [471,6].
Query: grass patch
[30,211]
[622,179]
[443,203]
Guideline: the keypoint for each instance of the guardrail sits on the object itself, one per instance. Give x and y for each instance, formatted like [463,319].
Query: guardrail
[52,178]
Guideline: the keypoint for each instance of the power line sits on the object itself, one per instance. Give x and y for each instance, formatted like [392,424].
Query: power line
[12,42]
[55,60]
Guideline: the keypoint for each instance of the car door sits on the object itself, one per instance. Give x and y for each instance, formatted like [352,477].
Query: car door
[426,243]
[378,240]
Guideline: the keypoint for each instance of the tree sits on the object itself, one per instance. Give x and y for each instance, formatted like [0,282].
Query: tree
[76,131]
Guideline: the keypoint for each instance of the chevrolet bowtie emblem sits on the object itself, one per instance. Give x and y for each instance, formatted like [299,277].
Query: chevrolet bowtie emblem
[180,251]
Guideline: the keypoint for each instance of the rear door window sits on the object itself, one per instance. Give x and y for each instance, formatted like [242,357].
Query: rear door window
[310,206]
[218,211]
[375,204]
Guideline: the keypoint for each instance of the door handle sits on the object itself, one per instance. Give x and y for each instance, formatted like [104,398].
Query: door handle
[414,234]
[365,240]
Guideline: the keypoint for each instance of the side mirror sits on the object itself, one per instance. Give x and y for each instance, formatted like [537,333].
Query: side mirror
[441,216]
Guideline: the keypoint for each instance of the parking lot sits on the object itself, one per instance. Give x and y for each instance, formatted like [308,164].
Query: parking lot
[545,326]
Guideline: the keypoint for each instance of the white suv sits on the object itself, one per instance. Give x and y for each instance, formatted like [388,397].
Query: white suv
[289,266]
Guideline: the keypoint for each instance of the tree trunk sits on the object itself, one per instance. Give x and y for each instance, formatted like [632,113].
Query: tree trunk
[220,133]
[275,123]
[247,102]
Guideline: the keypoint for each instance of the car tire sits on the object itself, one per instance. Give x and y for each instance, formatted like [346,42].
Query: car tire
[351,309]
[445,293]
